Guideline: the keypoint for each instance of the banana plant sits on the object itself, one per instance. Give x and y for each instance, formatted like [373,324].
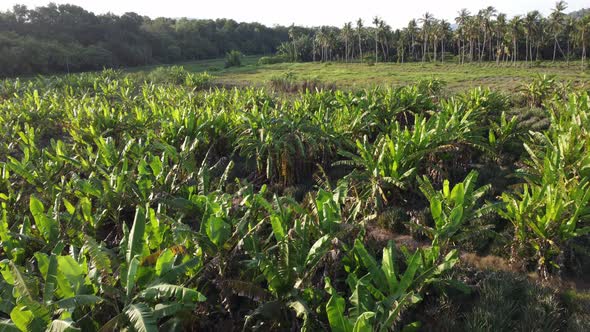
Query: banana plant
[152,293]
[380,291]
[279,145]
[551,207]
[63,300]
[500,134]
[545,218]
[539,89]
[290,261]
[452,209]
[383,167]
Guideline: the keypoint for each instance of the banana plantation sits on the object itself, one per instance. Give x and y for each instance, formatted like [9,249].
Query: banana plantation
[132,204]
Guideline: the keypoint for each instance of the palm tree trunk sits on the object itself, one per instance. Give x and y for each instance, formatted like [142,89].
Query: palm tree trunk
[483,45]
[554,47]
[531,50]
[567,58]
[515,51]
[491,49]
[460,51]
[583,51]
[424,49]
[360,48]
[526,50]
[346,49]
[434,48]
[376,48]
[443,50]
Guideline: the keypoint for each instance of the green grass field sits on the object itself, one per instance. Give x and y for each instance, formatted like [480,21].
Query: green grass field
[358,75]
[210,65]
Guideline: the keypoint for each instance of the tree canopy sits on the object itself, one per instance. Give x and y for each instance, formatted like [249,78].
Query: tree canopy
[63,38]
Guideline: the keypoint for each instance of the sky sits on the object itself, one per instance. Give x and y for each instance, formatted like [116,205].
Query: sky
[396,13]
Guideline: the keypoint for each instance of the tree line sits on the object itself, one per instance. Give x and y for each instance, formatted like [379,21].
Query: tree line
[487,35]
[67,38]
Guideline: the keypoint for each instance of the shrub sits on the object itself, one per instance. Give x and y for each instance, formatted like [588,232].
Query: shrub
[233,59]
[197,80]
[170,75]
[176,75]
[431,86]
[539,90]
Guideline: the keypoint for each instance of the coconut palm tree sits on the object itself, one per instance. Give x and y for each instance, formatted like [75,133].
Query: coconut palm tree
[376,21]
[461,22]
[530,25]
[485,16]
[401,44]
[569,30]
[556,25]
[346,34]
[445,31]
[435,34]
[540,34]
[384,31]
[472,30]
[412,31]
[515,25]
[359,32]
[500,27]
[582,32]
[293,37]
[322,39]
[426,21]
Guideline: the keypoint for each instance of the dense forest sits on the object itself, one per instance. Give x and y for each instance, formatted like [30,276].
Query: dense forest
[62,38]
[68,38]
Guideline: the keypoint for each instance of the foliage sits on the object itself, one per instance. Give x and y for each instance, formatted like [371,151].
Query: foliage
[178,75]
[66,38]
[552,207]
[453,208]
[233,58]
[137,203]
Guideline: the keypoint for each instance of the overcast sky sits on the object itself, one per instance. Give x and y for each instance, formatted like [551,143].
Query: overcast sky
[305,12]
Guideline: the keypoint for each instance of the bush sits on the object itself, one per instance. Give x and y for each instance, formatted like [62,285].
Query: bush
[176,75]
[197,80]
[431,86]
[233,59]
[171,75]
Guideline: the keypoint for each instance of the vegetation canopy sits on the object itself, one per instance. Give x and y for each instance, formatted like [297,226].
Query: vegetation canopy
[182,198]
